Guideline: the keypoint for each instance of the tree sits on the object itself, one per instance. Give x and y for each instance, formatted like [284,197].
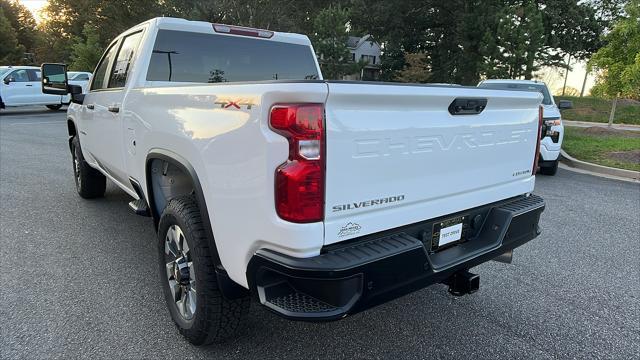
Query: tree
[416,69]
[86,52]
[330,42]
[519,39]
[24,28]
[10,52]
[619,60]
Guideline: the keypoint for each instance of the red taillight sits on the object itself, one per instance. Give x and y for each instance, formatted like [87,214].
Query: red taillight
[299,182]
[538,139]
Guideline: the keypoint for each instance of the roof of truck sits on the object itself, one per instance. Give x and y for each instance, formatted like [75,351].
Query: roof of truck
[513,81]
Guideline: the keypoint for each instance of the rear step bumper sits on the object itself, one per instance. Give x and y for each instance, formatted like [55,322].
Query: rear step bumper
[350,277]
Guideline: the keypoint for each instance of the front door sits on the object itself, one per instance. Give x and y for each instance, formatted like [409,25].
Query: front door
[105,128]
[17,88]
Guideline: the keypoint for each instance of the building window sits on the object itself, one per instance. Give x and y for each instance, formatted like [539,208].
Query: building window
[370,59]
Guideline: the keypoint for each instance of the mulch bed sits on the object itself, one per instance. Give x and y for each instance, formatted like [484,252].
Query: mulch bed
[632,156]
[600,131]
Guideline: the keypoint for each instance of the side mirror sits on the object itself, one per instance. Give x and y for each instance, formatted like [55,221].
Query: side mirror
[77,96]
[9,79]
[565,105]
[54,79]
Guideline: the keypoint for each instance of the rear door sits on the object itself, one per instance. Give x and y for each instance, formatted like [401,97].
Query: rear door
[396,155]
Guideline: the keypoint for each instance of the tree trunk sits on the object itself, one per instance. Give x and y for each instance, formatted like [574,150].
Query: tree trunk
[613,110]
[566,75]
[584,82]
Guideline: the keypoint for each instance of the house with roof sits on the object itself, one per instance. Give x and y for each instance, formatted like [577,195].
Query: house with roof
[368,50]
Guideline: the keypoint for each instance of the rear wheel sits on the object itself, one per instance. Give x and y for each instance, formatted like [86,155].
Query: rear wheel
[90,183]
[198,308]
[550,169]
[54,107]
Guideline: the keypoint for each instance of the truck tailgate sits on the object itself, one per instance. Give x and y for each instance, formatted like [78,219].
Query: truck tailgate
[395,155]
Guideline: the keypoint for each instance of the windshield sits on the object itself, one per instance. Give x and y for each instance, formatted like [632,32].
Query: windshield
[3,71]
[72,75]
[541,88]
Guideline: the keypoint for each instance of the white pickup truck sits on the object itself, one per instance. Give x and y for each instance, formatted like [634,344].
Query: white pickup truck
[320,198]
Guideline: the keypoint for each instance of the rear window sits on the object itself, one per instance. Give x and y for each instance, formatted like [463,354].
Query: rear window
[182,56]
[541,88]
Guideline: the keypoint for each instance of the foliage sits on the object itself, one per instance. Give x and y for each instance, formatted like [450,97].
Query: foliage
[619,60]
[518,40]
[86,51]
[415,70]
[11,51]
[330,40]
[23,28]
[458,41]
[595,109]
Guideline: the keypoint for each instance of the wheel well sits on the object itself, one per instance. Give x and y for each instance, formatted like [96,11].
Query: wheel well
[167,180]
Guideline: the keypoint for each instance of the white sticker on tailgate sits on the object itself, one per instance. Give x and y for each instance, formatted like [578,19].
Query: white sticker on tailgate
[450,234]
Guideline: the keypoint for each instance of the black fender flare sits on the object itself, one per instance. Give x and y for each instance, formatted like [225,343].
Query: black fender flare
[230,289]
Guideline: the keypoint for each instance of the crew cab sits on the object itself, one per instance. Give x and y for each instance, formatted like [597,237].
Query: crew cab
[319,198]
[20,86]
[553,129]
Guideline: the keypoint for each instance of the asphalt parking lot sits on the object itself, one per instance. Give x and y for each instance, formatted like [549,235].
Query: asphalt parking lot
[79,278]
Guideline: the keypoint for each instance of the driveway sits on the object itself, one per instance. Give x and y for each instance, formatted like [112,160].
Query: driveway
[80,278]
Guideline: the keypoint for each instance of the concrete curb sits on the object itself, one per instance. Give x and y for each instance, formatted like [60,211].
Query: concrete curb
[586,124]
[604,170]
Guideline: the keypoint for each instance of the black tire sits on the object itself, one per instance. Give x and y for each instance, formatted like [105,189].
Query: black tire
[54,107]
[550,170]
[90,183]
[215,318]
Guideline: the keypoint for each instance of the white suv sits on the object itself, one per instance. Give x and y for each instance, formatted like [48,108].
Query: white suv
[553,130]
[20,86]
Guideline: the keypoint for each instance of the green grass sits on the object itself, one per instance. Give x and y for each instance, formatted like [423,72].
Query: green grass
[595,148]
[597,110]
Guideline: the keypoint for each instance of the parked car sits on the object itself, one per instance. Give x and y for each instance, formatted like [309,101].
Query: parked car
[20,86]
[320,198]
[79,78]
[553,128]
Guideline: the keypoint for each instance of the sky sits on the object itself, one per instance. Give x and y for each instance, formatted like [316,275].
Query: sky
[34,6]
[553,77]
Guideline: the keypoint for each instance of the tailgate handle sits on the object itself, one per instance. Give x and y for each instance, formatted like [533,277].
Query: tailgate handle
[467,106]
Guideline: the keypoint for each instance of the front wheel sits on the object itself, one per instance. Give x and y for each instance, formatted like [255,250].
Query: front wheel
[55,107]
[90,183]
[198,308]
[550,170]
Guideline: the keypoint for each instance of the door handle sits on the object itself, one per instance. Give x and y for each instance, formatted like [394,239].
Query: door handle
[29,85]
[113,108]
[90,106]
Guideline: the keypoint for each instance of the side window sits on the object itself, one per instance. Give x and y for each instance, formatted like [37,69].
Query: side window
[101,72]
[21,75]
[34,75]
[124,60]
[82,77]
